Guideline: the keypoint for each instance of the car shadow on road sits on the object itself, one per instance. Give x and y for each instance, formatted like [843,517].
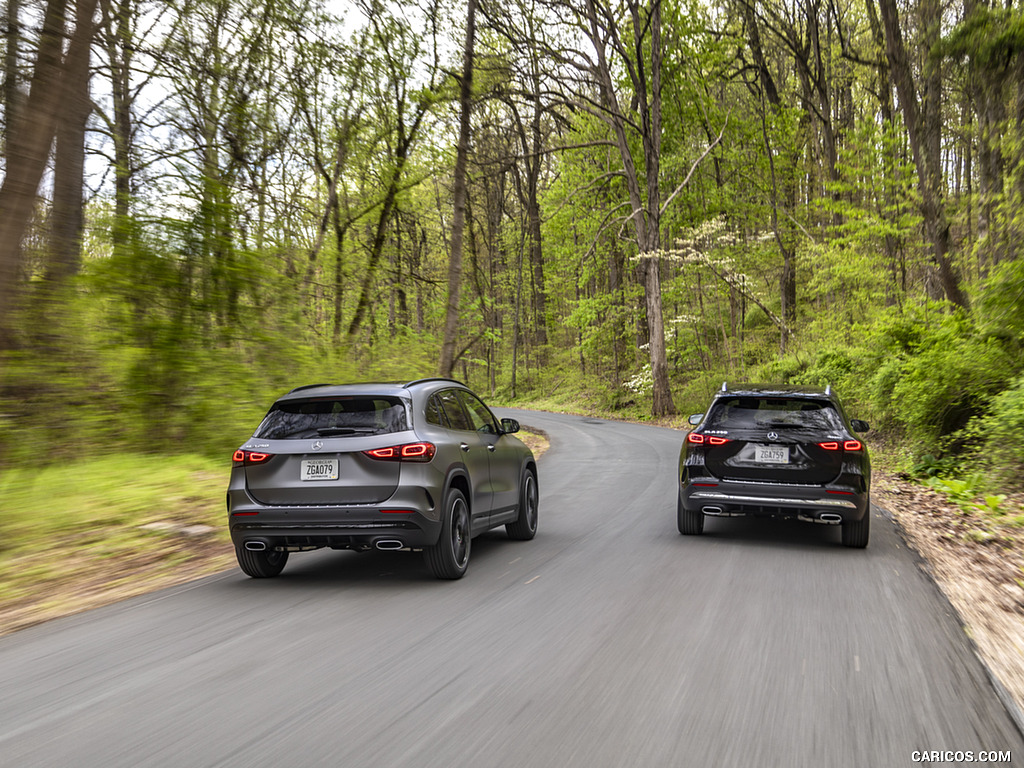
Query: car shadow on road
[334,568]
[767,532]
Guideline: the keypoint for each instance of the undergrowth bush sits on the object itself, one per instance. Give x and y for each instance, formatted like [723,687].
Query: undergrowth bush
[997,435]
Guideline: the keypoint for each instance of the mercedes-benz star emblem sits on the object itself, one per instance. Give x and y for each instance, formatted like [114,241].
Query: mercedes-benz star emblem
[317,445]
[773,435]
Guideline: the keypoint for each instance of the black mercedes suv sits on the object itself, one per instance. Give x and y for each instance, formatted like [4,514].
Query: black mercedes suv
[776,451]
[421,465]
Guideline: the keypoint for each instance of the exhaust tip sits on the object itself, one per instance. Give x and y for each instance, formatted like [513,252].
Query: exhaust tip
[830,517]
[256,546]
[388,545]
[715,511]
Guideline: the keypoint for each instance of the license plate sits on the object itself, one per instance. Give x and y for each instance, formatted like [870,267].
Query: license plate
[772,454]
[319,469]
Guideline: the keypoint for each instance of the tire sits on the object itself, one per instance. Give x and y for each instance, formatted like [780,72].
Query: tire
[449,558]
[689,522]
[856,532]
[261,565]
[525,526]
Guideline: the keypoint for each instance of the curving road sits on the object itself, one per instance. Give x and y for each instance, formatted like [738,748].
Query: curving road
[609,640]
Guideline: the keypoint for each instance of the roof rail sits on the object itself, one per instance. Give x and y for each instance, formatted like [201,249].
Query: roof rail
[308,386]
[431,378]
[724,388]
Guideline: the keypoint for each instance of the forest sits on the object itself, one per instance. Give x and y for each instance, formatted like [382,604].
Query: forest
[585,205]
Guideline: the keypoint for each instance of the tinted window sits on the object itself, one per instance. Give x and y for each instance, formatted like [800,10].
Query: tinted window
[435,414]
[773,413]
[457,417]
[333,417]
[483,420]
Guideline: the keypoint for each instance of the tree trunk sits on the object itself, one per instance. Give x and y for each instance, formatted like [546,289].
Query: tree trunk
[12,95]
[69,159]
[119,45]
[645,204]
[29,142]
[451,323]
[924,124]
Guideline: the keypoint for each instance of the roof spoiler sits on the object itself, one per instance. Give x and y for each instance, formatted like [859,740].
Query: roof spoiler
[431,378]
[308,386]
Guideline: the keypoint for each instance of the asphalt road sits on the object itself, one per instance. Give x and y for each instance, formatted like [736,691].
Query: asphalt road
[609,640]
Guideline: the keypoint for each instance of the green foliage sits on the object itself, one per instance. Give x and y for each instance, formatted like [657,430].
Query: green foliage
[997,435]
[64,519]
[968,494]
[960,491]
[990,37]
[1000,311]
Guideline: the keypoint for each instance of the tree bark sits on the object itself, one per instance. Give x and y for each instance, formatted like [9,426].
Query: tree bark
[69,159]
[12,95]
[447,362]
[120,48]
[645,203]
[29,141]
[922,115]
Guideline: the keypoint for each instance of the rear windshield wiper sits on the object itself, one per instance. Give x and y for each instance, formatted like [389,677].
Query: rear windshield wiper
[336,431]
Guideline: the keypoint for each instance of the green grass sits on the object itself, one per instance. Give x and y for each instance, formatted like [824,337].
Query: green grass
[74,527]
[109,492]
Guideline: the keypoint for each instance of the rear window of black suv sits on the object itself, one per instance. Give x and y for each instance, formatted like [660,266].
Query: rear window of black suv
[334,417]
[773,413]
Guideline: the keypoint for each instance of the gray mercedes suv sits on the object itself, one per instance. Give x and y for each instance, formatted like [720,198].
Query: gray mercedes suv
[421,465]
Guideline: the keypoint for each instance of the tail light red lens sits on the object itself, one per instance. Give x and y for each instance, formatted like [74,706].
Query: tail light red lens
[250,457]
[846,445]
[695,438]
[423,452]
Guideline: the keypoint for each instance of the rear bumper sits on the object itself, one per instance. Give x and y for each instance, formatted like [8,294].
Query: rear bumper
[407,534]
[811,503]
[357,526]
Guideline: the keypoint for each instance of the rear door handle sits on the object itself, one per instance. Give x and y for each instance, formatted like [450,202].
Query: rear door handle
[490,448]
[464,446]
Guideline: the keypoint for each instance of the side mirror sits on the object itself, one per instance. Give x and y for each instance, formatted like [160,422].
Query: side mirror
[859,426]
[508,426]
[695,418]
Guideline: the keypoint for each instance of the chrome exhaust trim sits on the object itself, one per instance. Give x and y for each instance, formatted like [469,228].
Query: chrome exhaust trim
[770,501]
[388,545]
[830,518]
[256,545]
[719,512]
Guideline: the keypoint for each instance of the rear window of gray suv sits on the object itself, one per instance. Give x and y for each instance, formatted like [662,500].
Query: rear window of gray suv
[333,417]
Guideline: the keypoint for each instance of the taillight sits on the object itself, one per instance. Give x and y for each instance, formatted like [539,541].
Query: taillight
[250,457]
[699,439]
[847,445]
[408,452]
